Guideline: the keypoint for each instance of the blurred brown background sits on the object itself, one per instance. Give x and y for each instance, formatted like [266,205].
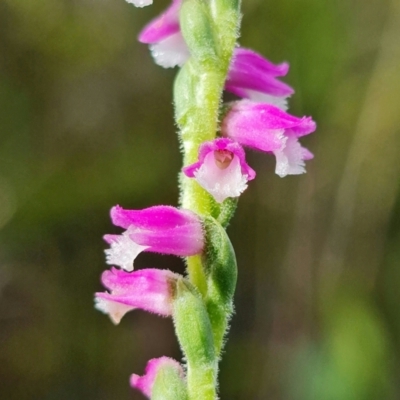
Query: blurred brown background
[86,122]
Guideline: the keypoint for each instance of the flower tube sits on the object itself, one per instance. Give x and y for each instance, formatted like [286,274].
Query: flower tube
[148,289]
[158,229]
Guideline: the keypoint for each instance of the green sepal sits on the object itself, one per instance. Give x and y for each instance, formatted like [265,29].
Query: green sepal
[198,31]
[219,261]
[169,385]
[223,212]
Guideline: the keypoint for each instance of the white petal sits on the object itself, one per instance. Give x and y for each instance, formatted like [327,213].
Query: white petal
[123,251]
[140,3]
[290,159]
[260,97]
[114,309]
[170,52]
[221,183]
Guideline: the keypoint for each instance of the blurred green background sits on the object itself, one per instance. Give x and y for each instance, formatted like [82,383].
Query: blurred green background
[86,122]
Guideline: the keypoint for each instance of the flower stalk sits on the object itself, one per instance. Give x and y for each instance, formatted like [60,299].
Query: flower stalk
[200,37]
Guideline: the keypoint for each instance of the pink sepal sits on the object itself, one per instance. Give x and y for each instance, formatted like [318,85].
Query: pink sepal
[145,383]
[154,218]
[148,289]
[166,24]
[254,77]
[222,169]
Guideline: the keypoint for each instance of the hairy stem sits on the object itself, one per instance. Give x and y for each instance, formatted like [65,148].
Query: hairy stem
[210,31]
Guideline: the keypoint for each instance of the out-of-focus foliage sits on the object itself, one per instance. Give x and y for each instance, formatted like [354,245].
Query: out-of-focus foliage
[86,122]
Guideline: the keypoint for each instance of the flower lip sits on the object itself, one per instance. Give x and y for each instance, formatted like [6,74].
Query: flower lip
[123,250]
[140,3]
[221,169]
[223,158]
[220,145]
[171,51]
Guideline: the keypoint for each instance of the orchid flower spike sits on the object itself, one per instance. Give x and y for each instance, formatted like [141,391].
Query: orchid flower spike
[221,169]
[267,128]
[148,289]
[146,382]
[163,35]
[253,77]
[250,75]
[158,229]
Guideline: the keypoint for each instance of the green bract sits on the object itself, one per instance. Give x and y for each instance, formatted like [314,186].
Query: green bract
[194,331]
[220,263]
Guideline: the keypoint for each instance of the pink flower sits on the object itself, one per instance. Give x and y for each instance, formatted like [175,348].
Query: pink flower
[250,75]
[145,383]
[267,128]
[148,289]
[164,37]
[253,77]
[222,169]
[159,229]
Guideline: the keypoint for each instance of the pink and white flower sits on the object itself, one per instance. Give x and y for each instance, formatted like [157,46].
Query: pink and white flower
[148,289]
[145,383]
[158,229]
[222,169]
[250,75]
[163,35]
[254,77]
[267,128]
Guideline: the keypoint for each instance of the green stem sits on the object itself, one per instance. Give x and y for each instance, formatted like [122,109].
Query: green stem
[204,379]
[198,124]
[194,331]
[209,28]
